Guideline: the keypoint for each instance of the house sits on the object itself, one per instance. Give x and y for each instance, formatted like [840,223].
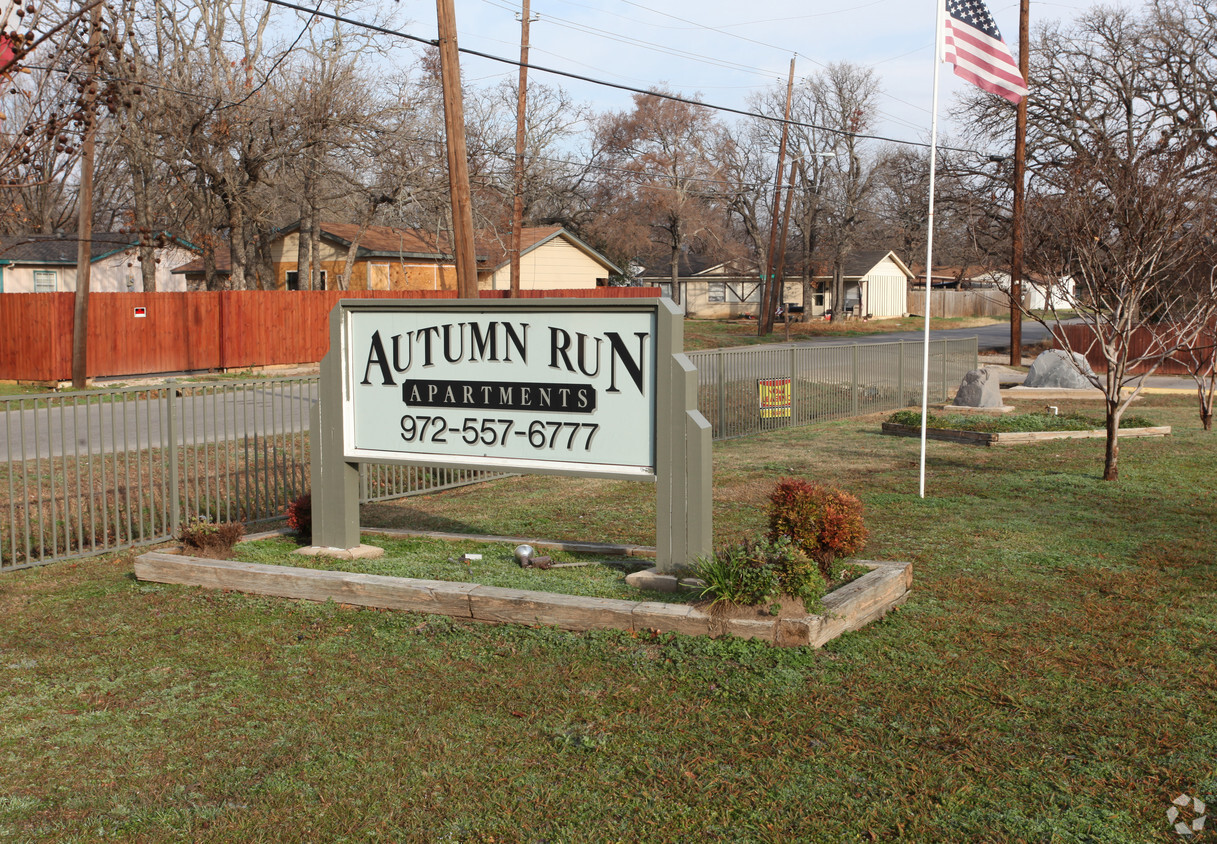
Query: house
[551,258]
[876,285]
[1039,292]
[389,258]
[47,263]
[718,290]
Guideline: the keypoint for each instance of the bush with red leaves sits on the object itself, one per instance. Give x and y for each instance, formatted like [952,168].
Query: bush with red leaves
[825,523]
[300,516]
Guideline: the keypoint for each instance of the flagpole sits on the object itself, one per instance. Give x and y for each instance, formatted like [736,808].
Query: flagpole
[939,27]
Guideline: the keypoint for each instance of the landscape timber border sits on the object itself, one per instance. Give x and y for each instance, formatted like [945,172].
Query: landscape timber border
[957,435]
[851,607]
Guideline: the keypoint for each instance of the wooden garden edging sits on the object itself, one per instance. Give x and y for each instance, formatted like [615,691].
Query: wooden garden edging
[957,435]
[849,608]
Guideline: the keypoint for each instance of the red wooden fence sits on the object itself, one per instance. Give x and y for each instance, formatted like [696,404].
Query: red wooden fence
[146,333]
[1080,337]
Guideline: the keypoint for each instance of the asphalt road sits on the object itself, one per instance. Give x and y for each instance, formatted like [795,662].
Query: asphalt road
[90,425]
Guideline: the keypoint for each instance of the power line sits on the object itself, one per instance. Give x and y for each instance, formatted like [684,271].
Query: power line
[628,88]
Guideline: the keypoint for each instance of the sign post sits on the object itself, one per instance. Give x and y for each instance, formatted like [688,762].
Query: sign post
[577,387]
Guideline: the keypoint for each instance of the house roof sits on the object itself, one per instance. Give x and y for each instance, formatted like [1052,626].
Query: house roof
[391,242]
[61,250]
[534,237]
[858,264]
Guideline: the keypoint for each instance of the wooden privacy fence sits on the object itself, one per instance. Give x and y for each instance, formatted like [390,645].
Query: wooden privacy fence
[146,333]
[1144,339]
[960,303]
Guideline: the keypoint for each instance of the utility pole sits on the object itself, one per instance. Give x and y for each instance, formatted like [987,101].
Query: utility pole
[764,322]
[84,226]
[1016,223]
[781,262]
[517,208]
[458,165]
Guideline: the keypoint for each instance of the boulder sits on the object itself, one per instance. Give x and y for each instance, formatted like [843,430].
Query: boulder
[1060,369]
[979,388]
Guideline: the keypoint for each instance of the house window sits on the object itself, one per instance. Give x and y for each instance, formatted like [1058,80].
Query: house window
[293,280]
[819,299]
[44,281]
[716,292]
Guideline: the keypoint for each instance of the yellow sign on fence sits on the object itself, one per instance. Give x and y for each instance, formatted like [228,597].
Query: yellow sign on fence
[774,396]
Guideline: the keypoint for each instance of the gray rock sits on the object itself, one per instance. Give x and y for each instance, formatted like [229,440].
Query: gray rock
[979,389]
[1060,369]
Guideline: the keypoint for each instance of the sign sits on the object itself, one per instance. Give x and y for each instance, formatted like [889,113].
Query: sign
[487,387]
[597,388]
[141,313]
[774,397]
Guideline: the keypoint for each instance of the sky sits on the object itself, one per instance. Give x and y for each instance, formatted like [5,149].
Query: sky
[723,52]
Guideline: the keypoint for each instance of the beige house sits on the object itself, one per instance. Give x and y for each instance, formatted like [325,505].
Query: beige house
[388,258]
[876,285]
[47,263]
[551,258]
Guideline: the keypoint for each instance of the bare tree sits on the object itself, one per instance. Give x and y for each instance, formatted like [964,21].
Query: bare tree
[833,168]
[1120,201]
[661,155]
[50,98]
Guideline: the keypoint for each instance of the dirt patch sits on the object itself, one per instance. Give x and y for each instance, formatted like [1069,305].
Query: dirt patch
[789,607]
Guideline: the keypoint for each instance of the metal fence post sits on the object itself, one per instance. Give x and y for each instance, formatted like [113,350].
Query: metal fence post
[853,405]
[720,418]
[900,378]
[175,501]
[944,370]
[794,385]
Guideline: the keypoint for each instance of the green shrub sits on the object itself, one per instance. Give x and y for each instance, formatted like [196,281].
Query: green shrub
[757,572]
[212,539]
[824,523]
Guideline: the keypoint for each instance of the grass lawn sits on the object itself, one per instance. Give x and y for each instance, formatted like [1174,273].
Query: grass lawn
[1050,679]
[425,558]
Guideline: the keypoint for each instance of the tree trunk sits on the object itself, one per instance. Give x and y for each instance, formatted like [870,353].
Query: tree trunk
[838,292]
[1111,471]
[147,266]
[237,250]
[304,273]
[210,275]
[676,275]
[314,250]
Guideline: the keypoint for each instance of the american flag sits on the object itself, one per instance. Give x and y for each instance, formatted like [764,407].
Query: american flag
[6,51]
[974,46]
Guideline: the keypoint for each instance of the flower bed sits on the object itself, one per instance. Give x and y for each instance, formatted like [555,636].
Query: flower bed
[850,607]
[1015,429]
